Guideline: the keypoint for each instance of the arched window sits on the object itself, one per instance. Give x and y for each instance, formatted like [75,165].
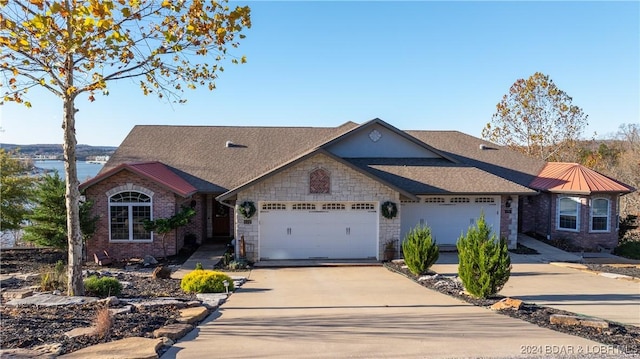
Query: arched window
[568,213]
[127,212]
[600,215]
[319,181]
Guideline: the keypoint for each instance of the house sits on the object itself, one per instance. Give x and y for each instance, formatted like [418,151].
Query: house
[337,192]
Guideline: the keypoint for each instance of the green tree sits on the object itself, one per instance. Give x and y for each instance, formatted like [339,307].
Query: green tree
[163,226]
[75,47]
[48,220]
[15,187]
[537,119]
[420,250]
[484,265]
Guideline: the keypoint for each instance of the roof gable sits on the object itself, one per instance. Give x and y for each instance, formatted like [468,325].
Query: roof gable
[562,177]
[378,139]
[155,171]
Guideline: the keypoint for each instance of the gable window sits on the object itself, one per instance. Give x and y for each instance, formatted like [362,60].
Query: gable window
[600,215]
[319,181]
[127,213]
[568,213]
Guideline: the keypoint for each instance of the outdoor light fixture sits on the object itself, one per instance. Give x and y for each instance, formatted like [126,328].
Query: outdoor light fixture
[508,203]
[226,286]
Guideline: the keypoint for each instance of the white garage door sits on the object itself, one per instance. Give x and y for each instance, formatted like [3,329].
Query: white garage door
[303,230]
[448,217]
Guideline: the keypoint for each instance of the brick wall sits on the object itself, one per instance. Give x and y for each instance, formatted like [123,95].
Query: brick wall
[164,204]
[292,184]
[539,215]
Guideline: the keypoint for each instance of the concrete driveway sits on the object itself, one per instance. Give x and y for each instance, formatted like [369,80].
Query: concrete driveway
[359,312]
[563,288]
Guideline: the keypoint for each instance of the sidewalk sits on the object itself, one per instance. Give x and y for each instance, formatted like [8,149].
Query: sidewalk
[208,254]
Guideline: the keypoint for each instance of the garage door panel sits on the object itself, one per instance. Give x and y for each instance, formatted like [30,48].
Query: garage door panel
[302,234]
[449,220]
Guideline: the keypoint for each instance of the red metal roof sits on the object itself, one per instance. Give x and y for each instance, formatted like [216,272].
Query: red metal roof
[155,171]
[574,178]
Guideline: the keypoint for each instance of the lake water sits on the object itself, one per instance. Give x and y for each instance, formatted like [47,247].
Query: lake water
[85,170]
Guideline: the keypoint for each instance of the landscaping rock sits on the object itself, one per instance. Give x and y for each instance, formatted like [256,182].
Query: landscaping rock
[149,260]
[78,332]
[155,302]
[560,319]
[212,299]
[507,303]
[48,300]
[110,301]
[16,294]
[49,349]
[193,315]
[124,310]
[24,354]
[173,331]
[127,348]
[161,272]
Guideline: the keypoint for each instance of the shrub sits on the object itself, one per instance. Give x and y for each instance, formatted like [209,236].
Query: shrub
[54,279]
[629,249]
[199,266]
[103,321]
[420,250]
[205,281]
[484,264]
[102,286]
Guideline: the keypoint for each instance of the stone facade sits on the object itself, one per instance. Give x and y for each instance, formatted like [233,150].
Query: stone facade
[164,204]
[509,220]
[293,184]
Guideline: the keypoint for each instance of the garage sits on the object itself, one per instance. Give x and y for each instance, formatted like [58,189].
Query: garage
[315,230]
[449,217]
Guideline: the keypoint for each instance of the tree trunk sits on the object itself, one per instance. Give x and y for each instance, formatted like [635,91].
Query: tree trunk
[75,285]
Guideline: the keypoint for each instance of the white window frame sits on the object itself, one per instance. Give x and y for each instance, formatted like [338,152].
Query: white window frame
[130,206]
[607,216]
[578,204]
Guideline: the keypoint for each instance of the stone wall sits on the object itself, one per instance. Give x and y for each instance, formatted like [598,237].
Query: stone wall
[292,184]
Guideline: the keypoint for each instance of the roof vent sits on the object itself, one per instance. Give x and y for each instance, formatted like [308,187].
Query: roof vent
[229,144]
[483,146]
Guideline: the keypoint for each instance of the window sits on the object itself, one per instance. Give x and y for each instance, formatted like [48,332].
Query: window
[363,207]
[485,200]
[319,181]
[459,200]
[333,207]
[303,207]
[600,215]
[434,200]
[568,213]
[274,207]
[127,212]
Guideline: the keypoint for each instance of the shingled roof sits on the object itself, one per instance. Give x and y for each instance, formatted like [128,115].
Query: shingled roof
[217,159]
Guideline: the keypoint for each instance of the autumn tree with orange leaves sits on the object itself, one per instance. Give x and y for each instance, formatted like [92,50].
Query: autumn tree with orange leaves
[77,47]
[537,119]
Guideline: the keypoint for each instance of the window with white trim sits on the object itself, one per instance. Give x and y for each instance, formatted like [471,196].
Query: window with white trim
[600,215]
[274,206]
[127,212]
[333,207]
[303,207]
[484,200]
[434,200]
[363,207]
[568,213]
[459,200]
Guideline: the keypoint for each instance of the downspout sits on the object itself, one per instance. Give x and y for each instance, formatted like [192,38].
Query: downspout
[549,216]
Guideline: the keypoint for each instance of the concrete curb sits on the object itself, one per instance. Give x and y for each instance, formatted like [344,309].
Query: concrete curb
[584,268]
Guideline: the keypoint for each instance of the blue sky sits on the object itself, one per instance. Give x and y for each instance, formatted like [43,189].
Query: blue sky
[417,65]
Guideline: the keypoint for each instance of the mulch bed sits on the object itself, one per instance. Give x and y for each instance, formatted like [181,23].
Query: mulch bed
[29,326]
[622,337]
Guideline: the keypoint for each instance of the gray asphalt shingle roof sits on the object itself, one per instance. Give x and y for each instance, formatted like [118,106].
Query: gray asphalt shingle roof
[199,155]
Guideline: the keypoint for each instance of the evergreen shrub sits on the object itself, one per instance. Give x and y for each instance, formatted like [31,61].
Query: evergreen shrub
[205,281]
[420,250]
[102,286]
[484,264]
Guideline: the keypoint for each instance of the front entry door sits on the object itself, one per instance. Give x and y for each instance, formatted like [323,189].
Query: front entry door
[220,219]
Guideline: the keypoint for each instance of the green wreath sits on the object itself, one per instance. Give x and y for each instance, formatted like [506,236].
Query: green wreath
[389,209]
[247,209]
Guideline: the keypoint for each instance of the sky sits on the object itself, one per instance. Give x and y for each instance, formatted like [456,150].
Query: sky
[418,65]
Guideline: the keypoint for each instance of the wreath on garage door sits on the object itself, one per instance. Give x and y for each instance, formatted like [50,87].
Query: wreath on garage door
[247,209]
[389,210]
